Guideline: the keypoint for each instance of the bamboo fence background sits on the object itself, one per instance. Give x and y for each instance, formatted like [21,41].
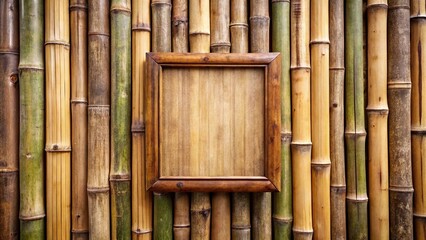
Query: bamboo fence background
[72,137]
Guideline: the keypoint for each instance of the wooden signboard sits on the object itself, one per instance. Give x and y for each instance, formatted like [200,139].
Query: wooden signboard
[213,122]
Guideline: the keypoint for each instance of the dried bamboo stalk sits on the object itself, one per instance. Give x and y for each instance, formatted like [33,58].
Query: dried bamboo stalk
[98,120]
[220,43]
[238,28]
[31,138]
[141,199]
[120,119]
[418,124]
[181,221]
[282,202]
[399,94]
[337,128]
[79,210]
[301,120]
[377,113]
[9,120]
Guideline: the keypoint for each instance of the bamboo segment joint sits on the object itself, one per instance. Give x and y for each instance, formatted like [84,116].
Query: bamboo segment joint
[321,164]
[120,10]
[302,231]
[244,25]
[32,218]
[57,42]
[138,129]
[377,6]
[355,134]
[78,7]
[242,227]
[282,219]
[141,27]
[418,18]
[30,67]
[419,215]
[337,68]
[285,137]
[8,51]
[418,130]
[220,44]
[80,231]
[141,232]
[79,100]
[99,106]
[199,33]
[98,34]
[319,42]
[403,189]
[182,225]
[399,85]
[407,7]
[377,111]
[98,190]
[357,199]
[307,68]
[120,178]
[166,3]
[8,170]
[278,1]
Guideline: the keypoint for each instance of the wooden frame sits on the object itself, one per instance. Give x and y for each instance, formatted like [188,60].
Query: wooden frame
[164,71]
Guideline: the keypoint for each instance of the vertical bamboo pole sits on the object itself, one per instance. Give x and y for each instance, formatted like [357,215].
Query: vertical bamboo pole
[355,135]
[79,211]
[181,221]
[98,120]
[120,119]
[418,123]
[141,199]
[161,42]
[282,202]
[337,120]
[399,94]
[301,120]
[259,42]
[199,42]
[239,44]
[320,114]
[9,120]
[377,112]
[31,136]
[220,43]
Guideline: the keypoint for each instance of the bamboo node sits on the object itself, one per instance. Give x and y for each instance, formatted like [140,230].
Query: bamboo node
[314,42]
[260,18]
[278,1]
[407,7]
[399,85]
[377,111]
[221,44]
[98,34]
[375,6]
[119,177]
[32,218]
[357,199]
[198,33]
[80,231]
[141,27]
[165,3]
[8,51]
[294,68]
[303,231]
[321,164]
[282,219]
[356,134]
[338,189]
[9,170]
[141,232]
[181,225]
[418,130]
[57,42]
[245,25]
[57,148]
[241,226]
[93,106]
[418,18]
[120,9]
[285,137]
[402,189]
[77,7]
[337,68]
[79,100]
[30,67]
[94,190]
[138,129]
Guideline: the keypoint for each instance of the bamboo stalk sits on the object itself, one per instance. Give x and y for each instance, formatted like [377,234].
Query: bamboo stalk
[161,42]
[399,94]
[282,202]
[418,124]
[377,112]
[238,28]
[98,120]
[141,199]
[337,144]
[9,120]
[259,42]
[355,135]
[220,43]
[79,211]
[199,42]
[301,120]
[31,138]
[181,221]
[120,119]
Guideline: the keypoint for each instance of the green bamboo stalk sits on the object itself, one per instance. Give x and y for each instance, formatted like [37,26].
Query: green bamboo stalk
[282,215]
[31,143]
[120,119]
[355,134]
[9,120]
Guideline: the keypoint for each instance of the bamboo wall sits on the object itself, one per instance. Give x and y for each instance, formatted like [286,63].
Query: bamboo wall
[72,76]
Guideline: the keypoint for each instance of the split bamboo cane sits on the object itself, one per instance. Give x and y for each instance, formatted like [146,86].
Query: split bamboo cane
[282,202]
[199,42]
[120,119]
[9,120]
[259,42]
[301,119]
[399,94]
[220,43]
[161,42]
[98,120]
[181,221]
[238,27]
[355,135]
[141,199]
[79,210]
[418,123]
[377,113]
[31,136]
[337,120]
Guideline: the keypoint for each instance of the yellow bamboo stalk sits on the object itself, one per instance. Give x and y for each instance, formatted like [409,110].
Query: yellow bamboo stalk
[377,111]
[58,120]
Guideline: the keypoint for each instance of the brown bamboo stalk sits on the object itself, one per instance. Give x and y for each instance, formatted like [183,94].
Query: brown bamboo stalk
[418,123]
[79,211]
[259,42]
[320,114]
[98,120]
[9,120]
[220,43]
[337,127]
[141,199]
[58,120]
[301,142]
[399,94]
[199,42]
[239,44]
[377,111]
[181,212]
